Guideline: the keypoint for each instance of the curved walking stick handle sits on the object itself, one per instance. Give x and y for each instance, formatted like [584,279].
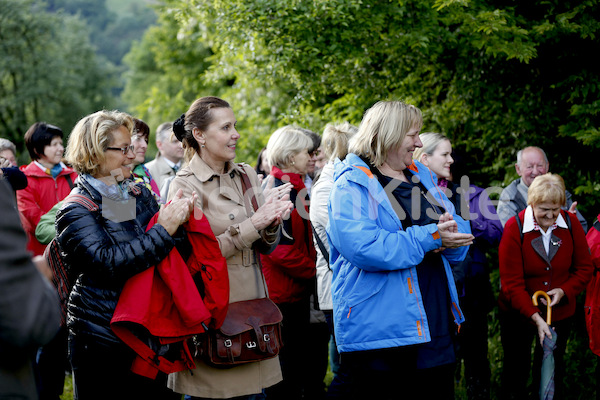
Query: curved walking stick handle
[548,308]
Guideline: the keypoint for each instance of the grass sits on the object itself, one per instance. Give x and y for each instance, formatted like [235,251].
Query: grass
[68,389]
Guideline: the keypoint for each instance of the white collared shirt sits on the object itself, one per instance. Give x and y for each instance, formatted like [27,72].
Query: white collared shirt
[529,225]
[172,164]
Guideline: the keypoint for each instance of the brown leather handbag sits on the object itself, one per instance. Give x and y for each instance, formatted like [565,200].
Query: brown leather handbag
[251,331]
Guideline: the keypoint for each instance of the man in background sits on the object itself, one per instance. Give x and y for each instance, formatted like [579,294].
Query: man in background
[170,154]
[531,162]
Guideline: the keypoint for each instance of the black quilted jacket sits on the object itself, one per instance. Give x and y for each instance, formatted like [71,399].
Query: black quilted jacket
[105,254]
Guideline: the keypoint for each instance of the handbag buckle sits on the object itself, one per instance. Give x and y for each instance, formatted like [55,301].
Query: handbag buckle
[227,342]
[250,345]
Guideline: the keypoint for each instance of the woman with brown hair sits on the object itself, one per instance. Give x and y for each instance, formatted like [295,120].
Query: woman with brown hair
[49,179]
[209,136]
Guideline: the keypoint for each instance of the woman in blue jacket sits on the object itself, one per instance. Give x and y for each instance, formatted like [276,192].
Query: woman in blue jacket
[393,235]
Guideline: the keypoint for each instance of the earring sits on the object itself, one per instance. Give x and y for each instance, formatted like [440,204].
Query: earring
[293,162]
[202,146]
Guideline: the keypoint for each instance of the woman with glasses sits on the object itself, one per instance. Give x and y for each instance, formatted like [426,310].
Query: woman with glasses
[107,245]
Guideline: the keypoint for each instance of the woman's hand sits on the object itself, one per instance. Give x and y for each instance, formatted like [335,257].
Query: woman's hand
[273,212]
[42,266]
[277,192]
[555,294]
[176,212]
[451,238]
[4,163]
[542,327]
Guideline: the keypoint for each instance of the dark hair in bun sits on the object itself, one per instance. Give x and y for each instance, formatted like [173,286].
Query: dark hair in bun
[179,128]
[198,116]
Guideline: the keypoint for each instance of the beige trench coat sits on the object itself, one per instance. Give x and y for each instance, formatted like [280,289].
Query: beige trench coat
[220,198]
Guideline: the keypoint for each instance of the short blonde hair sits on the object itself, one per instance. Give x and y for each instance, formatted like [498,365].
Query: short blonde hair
[285,143]
[431,141]
[383,128]
[90,138]
[547,188]
[336,138]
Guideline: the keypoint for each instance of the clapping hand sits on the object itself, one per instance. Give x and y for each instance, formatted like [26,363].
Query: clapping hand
[277,192]
[4,163]
[177,211]
[451,238]
[274,211]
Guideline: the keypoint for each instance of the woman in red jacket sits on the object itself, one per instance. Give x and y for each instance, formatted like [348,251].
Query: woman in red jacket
[49,180]
[546,250]
[290,269]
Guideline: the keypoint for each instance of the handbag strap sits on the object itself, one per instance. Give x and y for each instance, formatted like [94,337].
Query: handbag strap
[246,185]
[321,246]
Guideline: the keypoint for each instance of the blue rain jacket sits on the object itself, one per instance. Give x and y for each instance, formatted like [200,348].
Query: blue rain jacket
[376,297]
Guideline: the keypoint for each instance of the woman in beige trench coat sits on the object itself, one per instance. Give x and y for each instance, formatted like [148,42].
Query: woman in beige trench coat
[207,131]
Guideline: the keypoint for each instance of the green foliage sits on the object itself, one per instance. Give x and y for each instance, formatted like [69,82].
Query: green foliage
[166,71]
[492,75]
[48,70]
[113,27]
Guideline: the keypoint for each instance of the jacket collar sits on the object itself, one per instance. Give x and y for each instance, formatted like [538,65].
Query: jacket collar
[32,169]
[528,224]
[354,169]
[162,165]
[204,172]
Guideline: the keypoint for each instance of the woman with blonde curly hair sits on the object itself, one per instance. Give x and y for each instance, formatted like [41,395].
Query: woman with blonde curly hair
[106,245]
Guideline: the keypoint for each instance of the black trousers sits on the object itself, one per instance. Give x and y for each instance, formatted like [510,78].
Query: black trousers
[517,335]
[102,371]
[293,356]
[51,365]
[390,374]
[472,348]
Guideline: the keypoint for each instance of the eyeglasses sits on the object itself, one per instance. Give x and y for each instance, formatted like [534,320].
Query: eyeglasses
[125,150]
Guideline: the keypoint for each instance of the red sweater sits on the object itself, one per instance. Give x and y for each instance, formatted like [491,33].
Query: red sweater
[40,195]
[523,270]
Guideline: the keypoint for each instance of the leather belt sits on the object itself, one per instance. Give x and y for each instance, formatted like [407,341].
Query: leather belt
[245,257]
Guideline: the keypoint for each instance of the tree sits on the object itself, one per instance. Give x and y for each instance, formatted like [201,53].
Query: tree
[492,75]
[166,71]
[48,70]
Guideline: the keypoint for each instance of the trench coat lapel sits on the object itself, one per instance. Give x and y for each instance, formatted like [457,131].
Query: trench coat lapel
[229,187]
